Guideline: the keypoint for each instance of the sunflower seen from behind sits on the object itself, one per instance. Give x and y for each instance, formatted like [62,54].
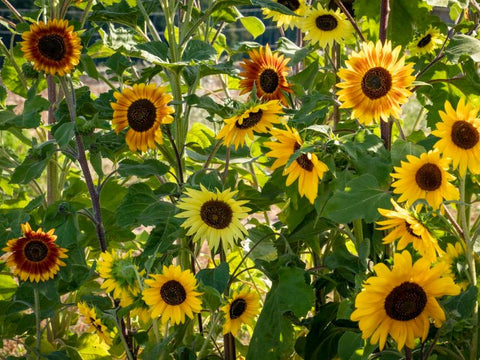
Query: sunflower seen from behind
[456,262]
[94,322]
[288,21]
[143,109]
[376,82]
[242,308]
[52,47]
[400,302]
[426,42]
[35,256]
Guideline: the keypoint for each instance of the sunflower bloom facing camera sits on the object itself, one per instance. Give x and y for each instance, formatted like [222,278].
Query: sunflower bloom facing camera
[242,308]
[427,42]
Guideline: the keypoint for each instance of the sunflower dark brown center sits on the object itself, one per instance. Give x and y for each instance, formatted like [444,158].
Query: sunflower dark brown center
[35,250]
[376,82]
[141,115]
[410,230]
[216,214]
[424,41]
[52,47]
[173,293]
[269,80]
[429,177]
[405,302]
[252,120]
[237,308]
[291,4]
[326,22]
[464,135]
[303,160]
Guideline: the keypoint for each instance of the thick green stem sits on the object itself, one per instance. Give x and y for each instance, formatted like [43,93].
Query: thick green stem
[122,338]
[36,309]
[53,191]
[358,231]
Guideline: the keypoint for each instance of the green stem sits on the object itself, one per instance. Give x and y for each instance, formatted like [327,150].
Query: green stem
[85,14]
[36,309]
[53,191]
[150,25]
[211,333]
[358,231]
[122,338]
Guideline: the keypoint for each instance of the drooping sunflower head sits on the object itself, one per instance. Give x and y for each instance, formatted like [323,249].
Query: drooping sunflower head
[325,26]
[427,42]
[95,323]
[266,71]
[459,133]
[456,263]
[241,309]
[256,118]
[425,177]
[35,256]
[214,216]
[375,83]
[52,47]
[172,295]
[143,109]
[400,302]
[289,21]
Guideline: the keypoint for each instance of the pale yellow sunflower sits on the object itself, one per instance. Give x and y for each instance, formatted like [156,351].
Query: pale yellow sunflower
[96,324]
[289,21]
[427,42]
[242,308]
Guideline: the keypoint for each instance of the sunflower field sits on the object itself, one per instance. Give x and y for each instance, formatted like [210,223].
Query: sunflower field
[240,179]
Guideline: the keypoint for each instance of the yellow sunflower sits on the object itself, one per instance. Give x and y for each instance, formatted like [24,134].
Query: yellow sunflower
[325,26]
[52,47]
[401,301]
[426,178]
[258,118]
[35,256]
[306,168]
[96,324]
[409,230]
[456,261]
[172,295]
[375,83]
[459,136]
[241,309]
[289,21]
[268,72]
[426,42]
[143,109]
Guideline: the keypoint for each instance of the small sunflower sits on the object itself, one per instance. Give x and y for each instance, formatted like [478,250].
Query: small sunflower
[306,168]
[52,47]
[96,324]
[267,71]
[172,295]
[401,301]
[143,109]
[241,309]
[325,26]
[459,136]
[289,21]
[258,118]
[426,178]
[409,230]
[35,256]
[213,216]
[375,83]
[426,42]
[456,261]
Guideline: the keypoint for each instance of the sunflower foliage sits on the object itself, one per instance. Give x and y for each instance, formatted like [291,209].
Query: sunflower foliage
[248,179]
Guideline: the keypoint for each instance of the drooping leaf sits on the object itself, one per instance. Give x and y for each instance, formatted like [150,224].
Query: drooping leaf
[150,167]
[253,25]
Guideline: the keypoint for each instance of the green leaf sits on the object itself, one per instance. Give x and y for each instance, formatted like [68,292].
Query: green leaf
[253,25]
[90,347]
[89,66]
[8,286]
[199,50]
[157,48]
[138,198]
[272,5]
[120,13]
[404,14]
[461,44]
[64,133]
[146,169]
[216,278]
[402,148]
[33,107]
[33,164]
[118,63]
[3,96]
[11,79]
[211,297]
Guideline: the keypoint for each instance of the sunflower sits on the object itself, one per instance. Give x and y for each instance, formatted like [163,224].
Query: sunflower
[426,42]
[306,167]
[289,21]
[325,26]
[95,323]
[456,260]
[143,109]
[426,178]
[213,216]
[257,117]
[409,230]
[375,82]
[459,136]
[53,47]
[241,309]
[401,301]
[268,72]
[172,295]
[35,256]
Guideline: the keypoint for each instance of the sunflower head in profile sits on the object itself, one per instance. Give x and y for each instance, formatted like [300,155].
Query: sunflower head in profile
[172,295]
[401,301]
[35,256]
[427,42]
[456,263]
[256,118]
[241,309]
[289,21]
[408,229]
[95,323]
[266,71]
[52,47]
[425,177]
[459,133]
[306,167]
[143,109]
[323,27]
[375,83]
